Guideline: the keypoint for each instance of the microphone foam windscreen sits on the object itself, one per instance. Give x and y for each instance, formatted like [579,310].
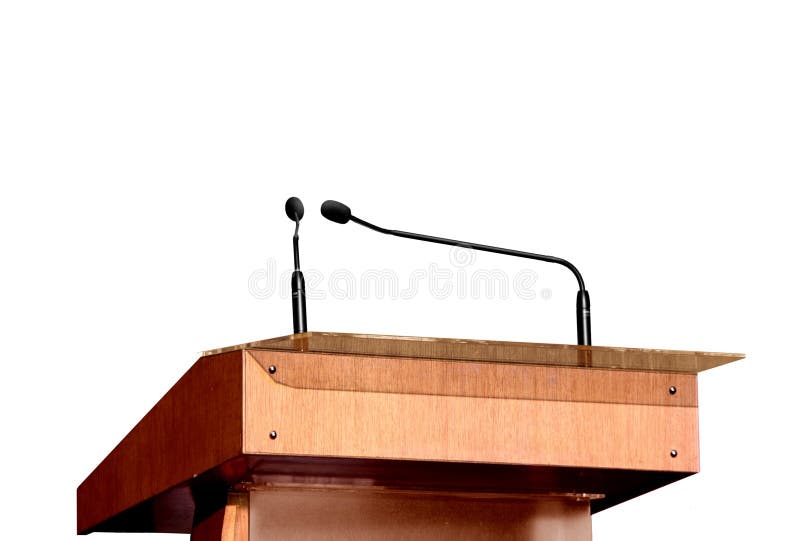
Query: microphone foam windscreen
[336,212]
[294,209]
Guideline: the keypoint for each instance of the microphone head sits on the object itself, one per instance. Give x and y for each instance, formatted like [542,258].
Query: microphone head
[294,209]
[336,212]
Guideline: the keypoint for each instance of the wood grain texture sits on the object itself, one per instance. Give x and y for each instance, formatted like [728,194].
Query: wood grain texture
[331,423]
[305,514]
[660,360]
[477,379]
[236,526]
[196,426]
[404,413]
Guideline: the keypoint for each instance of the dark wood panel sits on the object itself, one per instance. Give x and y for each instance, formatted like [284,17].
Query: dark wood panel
[194,427]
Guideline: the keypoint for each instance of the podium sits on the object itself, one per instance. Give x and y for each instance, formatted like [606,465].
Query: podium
[345,436]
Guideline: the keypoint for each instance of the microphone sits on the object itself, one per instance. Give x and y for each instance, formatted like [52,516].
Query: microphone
[341,214]
[295,211]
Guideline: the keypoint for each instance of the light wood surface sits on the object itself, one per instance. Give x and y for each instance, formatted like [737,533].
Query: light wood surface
[469,429]
[477,379]
[453,349]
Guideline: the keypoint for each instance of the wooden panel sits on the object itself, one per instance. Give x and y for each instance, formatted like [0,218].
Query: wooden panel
[406,413]
[469,429]
[290,514]
[476,379]
[197,425]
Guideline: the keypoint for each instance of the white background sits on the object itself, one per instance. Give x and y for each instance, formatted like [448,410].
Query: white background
[147,148]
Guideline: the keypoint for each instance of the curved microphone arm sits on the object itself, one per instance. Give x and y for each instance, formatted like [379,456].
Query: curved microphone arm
[473,246]
[341,214]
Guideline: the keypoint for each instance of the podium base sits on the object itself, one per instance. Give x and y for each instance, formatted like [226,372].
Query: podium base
[366,513]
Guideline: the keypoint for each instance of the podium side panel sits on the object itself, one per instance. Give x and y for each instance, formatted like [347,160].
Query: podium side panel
[195,426]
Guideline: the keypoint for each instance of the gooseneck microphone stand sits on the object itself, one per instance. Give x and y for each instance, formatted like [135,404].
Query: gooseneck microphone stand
[340,213]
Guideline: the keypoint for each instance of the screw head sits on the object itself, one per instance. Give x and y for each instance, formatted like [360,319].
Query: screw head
[672,390]
[673,453]
[272,369]
[273,435]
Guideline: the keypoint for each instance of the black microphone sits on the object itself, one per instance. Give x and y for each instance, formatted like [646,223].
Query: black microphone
[294,210]
[340,213]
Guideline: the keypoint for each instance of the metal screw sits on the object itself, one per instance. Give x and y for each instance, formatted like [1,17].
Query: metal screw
[672,453]
[272,369]
[273,435]
[672,389]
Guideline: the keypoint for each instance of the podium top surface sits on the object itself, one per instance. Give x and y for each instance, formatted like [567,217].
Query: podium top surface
[449,349]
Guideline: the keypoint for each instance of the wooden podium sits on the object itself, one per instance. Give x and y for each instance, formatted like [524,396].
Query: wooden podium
[341,436]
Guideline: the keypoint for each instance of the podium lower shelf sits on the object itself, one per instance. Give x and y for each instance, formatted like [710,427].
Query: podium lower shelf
[332,436]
